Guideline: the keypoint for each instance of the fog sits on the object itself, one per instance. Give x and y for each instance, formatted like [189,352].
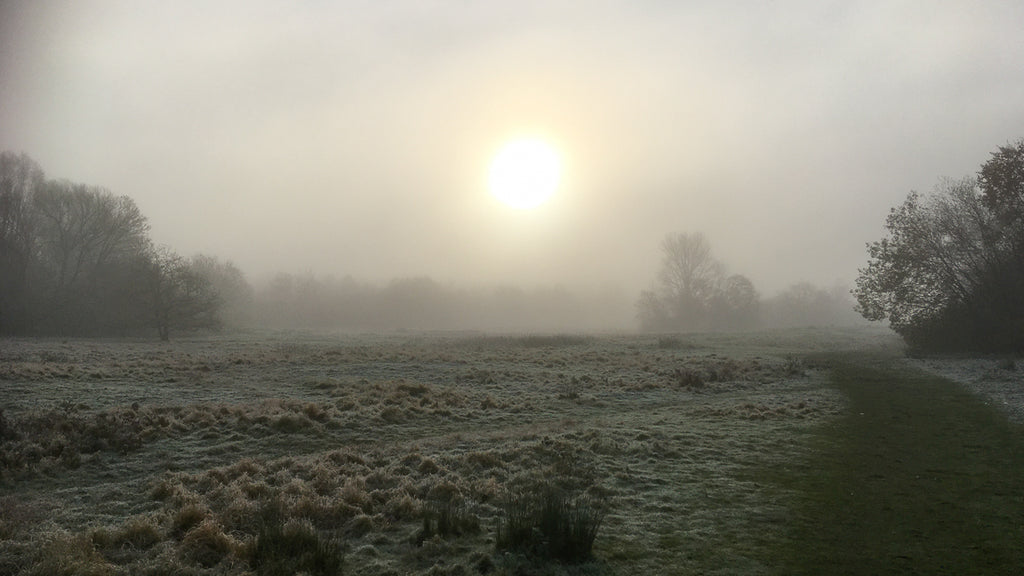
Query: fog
[352,139]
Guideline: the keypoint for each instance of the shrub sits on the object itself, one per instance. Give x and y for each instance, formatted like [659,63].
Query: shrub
[550,525]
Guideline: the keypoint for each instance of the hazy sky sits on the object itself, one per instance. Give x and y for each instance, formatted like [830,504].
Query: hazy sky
[354,137]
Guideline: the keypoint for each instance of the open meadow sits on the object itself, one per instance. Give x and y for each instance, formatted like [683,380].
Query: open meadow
[280,453]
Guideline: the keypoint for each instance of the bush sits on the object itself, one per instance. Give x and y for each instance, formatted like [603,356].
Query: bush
[551,526]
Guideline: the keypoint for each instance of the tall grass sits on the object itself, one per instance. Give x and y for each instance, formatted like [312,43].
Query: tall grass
[550,525]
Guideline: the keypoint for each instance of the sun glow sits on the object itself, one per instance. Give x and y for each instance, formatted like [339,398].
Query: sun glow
[525,173]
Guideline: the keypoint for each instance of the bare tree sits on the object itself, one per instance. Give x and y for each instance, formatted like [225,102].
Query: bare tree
[20,179]
[693,291]
[688,270]
[233,290]
[84,238]
[180,298]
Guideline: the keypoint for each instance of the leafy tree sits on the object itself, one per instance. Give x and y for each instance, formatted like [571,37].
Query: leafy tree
[950,273]
[1001,181]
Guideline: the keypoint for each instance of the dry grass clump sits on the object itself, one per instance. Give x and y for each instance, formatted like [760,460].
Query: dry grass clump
[188,517]
[570,388]
[64,554]
[59,437]
[65,436]
[207,545]
[688,378]
[128,542]
[17,516]
[438,505]
[396,402]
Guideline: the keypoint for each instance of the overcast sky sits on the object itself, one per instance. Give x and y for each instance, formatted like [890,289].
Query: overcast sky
[354,137]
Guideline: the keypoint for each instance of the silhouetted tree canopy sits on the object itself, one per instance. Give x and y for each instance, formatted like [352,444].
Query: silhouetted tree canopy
[20,179]
[77,260]
[949,276]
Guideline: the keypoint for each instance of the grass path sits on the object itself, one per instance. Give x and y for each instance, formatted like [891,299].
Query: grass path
[920,477]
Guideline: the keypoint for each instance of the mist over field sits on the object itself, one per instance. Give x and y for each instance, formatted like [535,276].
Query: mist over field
[351,141]
[540,287]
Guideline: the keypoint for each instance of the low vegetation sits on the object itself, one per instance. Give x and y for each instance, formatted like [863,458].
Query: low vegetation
[411,455]
[546,523]
[918,477]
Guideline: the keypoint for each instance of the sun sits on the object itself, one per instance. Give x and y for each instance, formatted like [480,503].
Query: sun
[525,173]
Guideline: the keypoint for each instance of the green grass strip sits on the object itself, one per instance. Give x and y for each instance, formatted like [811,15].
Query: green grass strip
[920,477]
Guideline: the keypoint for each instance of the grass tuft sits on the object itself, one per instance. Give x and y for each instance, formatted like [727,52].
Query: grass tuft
[293,548]
[550,526]
[207,544]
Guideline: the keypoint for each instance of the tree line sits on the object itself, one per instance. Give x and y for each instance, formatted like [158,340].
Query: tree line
[694,292]
[949,275]
[422,303]
[77,260]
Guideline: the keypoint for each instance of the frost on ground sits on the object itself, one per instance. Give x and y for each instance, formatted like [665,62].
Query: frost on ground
[138,457]
[999,381]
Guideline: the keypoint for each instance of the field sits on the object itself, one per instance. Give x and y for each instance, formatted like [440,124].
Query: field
[406,454]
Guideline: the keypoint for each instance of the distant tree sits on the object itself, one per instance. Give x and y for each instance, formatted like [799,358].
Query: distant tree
[178,295]
[738,304]
[232,289]
[950,273]
[693,291]
[20,179]
[805,304]
[652,313]
[77,260]
[84,238]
